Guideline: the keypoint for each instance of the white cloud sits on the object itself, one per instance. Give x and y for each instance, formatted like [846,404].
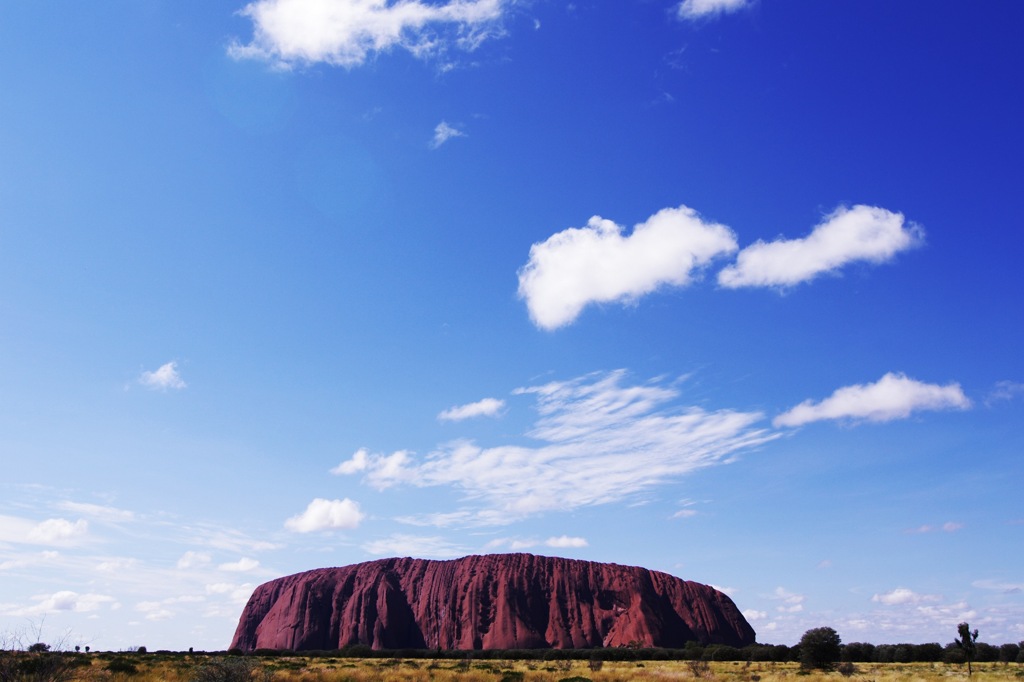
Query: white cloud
[163,378]
[324,514]
[600,442]
[154,610]
[241,566]
[345,32]
[384,470]
[1004,390]
[999,586]
[488,407]
[55,532]
[98,512]
[696,9]
[564,541]
[65,600]
[791,602]
[861,233]
[685,514]
[415,546]
[902,595]
[58,531]
[894,396]
[117,565]
[597,264]
[514,544]
[230,540]
[444,132]
[948,527]
[237,594]
[755,615]
[358,462]
[192,559]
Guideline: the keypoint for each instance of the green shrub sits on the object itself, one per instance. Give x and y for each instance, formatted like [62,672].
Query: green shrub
[234,669]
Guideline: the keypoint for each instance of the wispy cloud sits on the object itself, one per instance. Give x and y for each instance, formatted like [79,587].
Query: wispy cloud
[894,396]
[902,595]
[415,546]
[98,512]
[861,233]
[444,132]
[346,32]
[1004,390]
[163,378]
[565,541]
[488,407]
[948,527]
[191,559]
[791,602]
[56,532]
[64,600]
[241,566]
[999,586]
[601,440]
[324,514]
[598,264]
[698,9]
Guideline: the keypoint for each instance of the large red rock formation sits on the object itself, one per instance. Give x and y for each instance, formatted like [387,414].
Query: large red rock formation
[496,601]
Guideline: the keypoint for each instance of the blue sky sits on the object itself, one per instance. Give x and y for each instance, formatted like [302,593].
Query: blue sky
[729,289]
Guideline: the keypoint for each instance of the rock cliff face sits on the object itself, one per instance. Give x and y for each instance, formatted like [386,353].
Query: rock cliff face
[496,601]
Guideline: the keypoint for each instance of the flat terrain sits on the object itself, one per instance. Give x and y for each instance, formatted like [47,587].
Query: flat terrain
[186,668]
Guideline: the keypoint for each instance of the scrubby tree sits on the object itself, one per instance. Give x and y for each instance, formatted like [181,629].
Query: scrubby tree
[967,641]
[820,649]
[1008,653]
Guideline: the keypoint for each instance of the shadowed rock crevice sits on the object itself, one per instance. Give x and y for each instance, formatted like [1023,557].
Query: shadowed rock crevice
[495,601]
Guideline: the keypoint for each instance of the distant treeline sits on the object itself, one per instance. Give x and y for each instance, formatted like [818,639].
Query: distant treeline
[854,652]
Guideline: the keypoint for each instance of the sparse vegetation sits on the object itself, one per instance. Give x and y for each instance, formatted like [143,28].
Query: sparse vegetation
[119,667]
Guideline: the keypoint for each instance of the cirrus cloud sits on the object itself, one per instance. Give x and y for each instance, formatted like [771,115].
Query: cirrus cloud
[401,544]
[598,264]
[894,396]
[600,440]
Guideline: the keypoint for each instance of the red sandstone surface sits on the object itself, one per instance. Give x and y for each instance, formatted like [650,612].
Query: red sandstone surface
[495,601]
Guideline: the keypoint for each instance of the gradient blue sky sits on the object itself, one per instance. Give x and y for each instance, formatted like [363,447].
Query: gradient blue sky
[729,289]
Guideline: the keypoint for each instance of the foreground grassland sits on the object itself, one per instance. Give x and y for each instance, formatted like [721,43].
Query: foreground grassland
[184,668]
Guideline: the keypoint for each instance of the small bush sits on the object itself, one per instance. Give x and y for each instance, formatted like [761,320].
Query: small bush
[847,669]
[224,670]
[123,666]
[700,669]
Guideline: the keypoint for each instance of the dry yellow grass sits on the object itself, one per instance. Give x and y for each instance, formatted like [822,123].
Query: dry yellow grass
[175,668]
